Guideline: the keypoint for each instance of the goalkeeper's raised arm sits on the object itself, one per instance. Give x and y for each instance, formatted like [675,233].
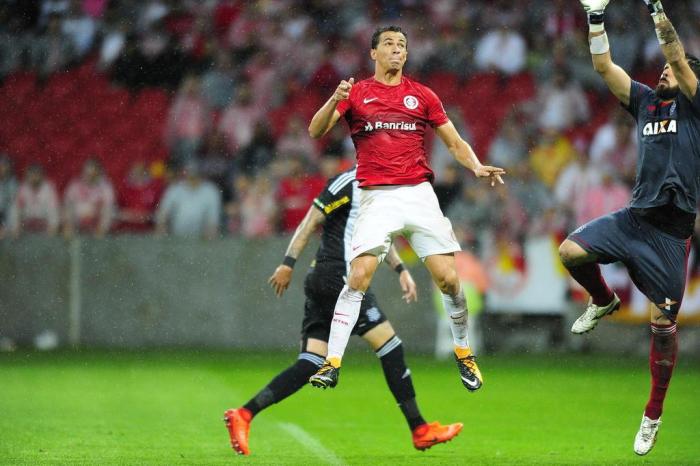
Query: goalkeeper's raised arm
[672,49]
[617,79]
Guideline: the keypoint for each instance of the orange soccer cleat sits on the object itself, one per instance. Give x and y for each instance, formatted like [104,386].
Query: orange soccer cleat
[427,435]
[238,424]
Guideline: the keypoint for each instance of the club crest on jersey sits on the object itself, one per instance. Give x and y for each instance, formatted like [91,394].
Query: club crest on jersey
[660,127]
[401,125]
[410,102]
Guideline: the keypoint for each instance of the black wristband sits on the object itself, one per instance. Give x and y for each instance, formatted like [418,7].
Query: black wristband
[595,17]
[289,261]
[399,268]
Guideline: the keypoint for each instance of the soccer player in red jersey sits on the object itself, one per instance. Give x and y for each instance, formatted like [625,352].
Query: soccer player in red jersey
[388,115]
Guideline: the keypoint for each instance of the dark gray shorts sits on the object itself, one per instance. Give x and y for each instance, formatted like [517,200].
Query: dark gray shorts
[656,261]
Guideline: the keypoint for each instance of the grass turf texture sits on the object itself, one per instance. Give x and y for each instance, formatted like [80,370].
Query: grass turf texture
[166,408]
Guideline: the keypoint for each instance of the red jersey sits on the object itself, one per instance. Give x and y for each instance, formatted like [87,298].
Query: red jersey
[387,125]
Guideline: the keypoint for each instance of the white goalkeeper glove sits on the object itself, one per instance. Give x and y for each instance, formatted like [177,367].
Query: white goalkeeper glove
[595,6]
[595,10]
[655,7]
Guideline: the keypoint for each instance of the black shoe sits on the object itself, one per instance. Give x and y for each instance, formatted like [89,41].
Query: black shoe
[469,372]
[326,376]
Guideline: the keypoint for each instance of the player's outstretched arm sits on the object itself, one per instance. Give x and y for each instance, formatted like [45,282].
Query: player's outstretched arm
[408,286]
[279,281]
[463,153]
[672,49]
[327,116]
[617,79]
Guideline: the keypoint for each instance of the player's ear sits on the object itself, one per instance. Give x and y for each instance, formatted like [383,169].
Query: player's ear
[373,54]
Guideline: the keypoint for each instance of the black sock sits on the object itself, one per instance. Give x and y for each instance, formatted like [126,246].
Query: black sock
[398,377]
[286,383]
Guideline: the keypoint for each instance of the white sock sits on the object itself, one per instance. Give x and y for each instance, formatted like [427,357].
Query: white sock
[347,310]
[456,308]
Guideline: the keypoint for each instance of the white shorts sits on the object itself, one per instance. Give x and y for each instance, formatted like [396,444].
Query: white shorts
[409,210]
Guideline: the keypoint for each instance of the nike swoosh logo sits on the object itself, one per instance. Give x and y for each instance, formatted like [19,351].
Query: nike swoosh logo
[341,314]
[356,247]
[471,383]
[370,100]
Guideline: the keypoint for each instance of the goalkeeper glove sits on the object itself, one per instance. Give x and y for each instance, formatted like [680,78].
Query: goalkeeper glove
[595,10]
[654,6]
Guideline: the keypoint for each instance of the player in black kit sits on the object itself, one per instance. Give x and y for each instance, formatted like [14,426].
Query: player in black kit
[336,208]
[650,236]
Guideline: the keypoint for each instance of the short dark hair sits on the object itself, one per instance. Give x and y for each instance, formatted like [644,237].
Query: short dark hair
[378,32]
[694,64]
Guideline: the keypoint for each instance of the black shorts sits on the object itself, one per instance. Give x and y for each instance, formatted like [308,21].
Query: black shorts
[318,312]
[657,261]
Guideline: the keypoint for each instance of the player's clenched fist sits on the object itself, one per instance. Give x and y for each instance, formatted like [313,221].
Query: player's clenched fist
[342,92]
[594,5]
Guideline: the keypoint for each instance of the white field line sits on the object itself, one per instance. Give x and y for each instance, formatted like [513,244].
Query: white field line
[311,443]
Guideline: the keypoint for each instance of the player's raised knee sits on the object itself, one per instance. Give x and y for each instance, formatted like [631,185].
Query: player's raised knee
[361,272]
[571,253]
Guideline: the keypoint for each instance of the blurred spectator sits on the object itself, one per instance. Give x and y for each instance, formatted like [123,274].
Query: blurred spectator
[188,121]
[561,102]
[240,119]
[258,208]
[552,153]
[53,50]
[8,191]
[36,208]
[531,193]
[152,11]
[296,141]
[79,27]
[259,152]
[560,20]
[138,198]
[610,195]
[472,214]
[502,49]
[218,83]
[13,42]
[216,160]
[574,181]
[113,43]
[190,207]
[614,145]
[510,146]
[296,191]
[51,8]
[88,204]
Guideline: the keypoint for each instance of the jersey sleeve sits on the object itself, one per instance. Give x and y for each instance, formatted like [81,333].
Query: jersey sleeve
[695,101]
[640,95]
[336,194]
[343,106]
[436,112]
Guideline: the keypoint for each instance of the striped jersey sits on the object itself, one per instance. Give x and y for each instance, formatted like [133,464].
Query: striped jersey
[339,202]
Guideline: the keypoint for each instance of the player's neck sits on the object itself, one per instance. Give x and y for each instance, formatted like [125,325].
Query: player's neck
[388,77]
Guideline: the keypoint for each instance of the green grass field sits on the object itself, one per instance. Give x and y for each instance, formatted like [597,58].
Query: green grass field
[166,408]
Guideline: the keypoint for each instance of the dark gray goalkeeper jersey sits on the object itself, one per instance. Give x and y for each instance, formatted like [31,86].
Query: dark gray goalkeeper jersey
[668,164]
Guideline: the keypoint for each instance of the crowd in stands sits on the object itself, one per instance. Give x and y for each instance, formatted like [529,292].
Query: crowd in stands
[243,79]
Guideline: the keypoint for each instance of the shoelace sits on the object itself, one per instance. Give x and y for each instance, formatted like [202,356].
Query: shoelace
[325,368]
[469,361]
[647,431]
[591,311]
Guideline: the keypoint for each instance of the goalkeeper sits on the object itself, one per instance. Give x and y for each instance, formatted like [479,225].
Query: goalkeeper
[651,236]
